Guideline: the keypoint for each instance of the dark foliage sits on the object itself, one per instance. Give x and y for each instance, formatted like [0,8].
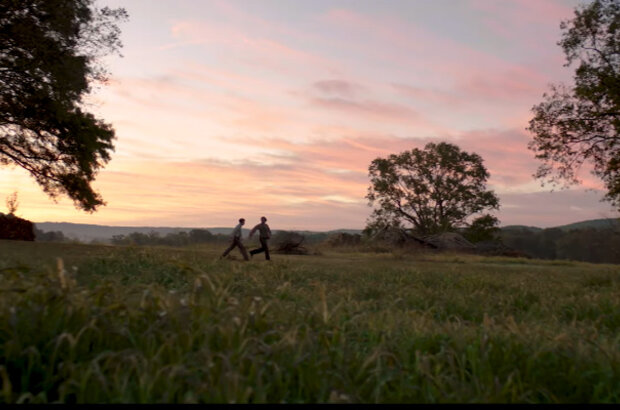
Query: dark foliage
[51,236]
[483,229]
[49,53]
[344,239]
[598,245]
[581,123]
[435,189]
[194,236]
[290,243]
[15,228]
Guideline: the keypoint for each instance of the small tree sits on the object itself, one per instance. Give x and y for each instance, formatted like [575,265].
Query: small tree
[12,203]
[582,123]
[484,228]
[200,236]
[49,53]
[435,190]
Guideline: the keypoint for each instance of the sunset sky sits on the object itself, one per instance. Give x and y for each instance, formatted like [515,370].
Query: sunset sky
[242,108]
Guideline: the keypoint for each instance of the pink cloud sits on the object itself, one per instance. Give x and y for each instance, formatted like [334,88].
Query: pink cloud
[534,21]
[510,162]
[256,116]
[526,11]
[316,172]
[350,102]
[434,96]
[368,108]
[242,44]
[464,73]
[219,191]
[338,88]
[515,86]
[349,153]
[505,156]
[348,18]
[505,152]
[198,97]
[514,83]
[302,193]
[231,11]
[227,80]
[549,209]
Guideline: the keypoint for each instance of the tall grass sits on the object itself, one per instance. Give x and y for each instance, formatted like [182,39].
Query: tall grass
[90,324]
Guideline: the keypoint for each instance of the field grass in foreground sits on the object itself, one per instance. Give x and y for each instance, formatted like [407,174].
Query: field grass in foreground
[150,325]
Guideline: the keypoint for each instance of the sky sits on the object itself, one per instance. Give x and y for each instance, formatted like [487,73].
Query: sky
[243,108]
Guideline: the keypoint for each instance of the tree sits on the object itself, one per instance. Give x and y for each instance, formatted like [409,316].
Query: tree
[484,228]
[12,203]
[435,190]
[581,123]
[51,236]
[49,59]
[200,236]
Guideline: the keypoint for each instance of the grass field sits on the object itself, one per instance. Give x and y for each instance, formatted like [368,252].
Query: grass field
[103,324]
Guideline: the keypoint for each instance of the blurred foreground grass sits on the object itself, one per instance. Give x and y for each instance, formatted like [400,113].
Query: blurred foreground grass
[103,324]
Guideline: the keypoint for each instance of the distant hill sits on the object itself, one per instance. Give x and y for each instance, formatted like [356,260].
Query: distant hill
[520,227]
[594,223]
[596,241]
[87,233]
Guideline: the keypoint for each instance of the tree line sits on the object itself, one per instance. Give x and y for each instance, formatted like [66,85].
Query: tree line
[183,238]
[588,244]
[597,245]
[153,238]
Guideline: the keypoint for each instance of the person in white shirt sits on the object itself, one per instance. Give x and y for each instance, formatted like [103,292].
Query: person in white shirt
[236,241]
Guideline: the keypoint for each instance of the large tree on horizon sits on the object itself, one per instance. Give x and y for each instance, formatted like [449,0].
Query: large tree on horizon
[436,189]
[50,54]
[581,122]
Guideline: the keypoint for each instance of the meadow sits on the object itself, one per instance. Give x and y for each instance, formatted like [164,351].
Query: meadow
[112,324]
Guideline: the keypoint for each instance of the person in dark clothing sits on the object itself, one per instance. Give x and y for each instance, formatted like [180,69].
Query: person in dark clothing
[236,241]
[263,237]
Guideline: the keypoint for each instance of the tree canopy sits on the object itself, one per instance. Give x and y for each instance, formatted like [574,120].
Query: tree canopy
[49,58]
[436,189]
[581,123]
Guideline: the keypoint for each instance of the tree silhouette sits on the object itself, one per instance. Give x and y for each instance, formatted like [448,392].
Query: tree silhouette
[435,190]
[49,58]
[580,123]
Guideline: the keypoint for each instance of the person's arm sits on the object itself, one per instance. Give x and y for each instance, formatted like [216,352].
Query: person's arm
[252,232]
[269,231]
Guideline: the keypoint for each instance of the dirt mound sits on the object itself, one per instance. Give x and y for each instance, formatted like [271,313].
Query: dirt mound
[450,241]
[499,249]
[397,237]
[290,243]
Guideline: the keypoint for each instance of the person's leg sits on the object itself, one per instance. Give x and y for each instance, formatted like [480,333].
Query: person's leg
[227,251]
[258,250]
[244,252]
[265,248]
